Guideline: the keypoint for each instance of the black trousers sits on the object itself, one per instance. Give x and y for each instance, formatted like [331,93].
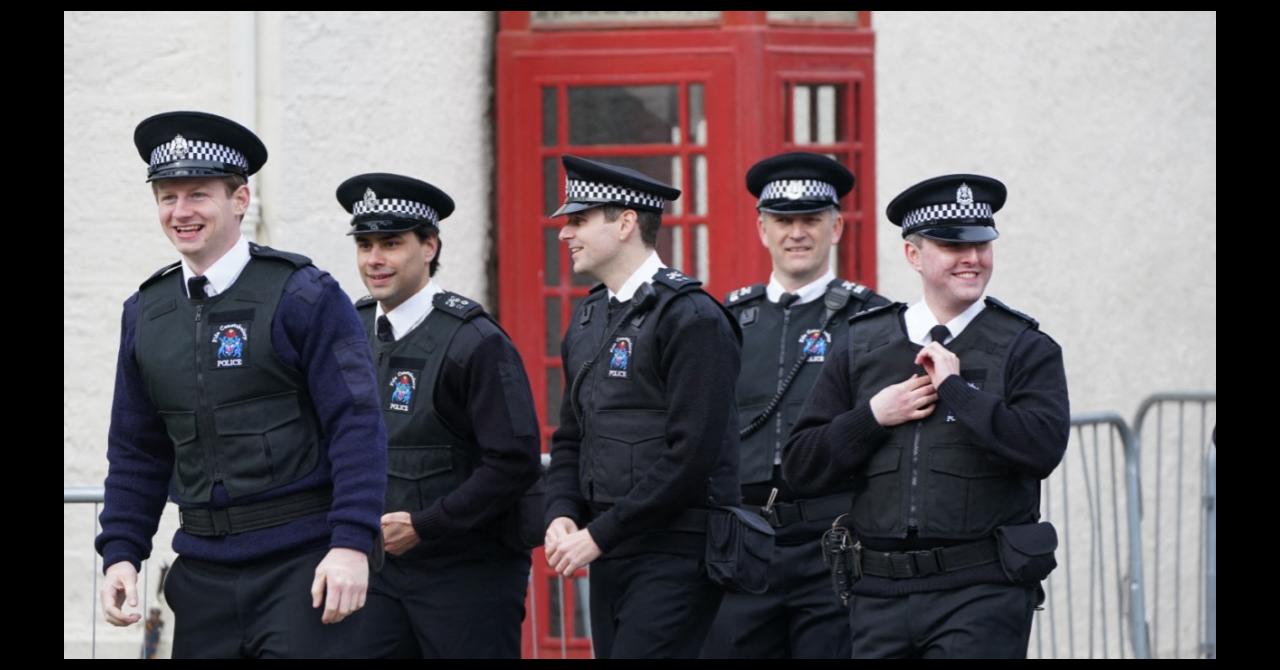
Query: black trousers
[979,621]
[651,605]
[798,617]
[255,610]
[467,604]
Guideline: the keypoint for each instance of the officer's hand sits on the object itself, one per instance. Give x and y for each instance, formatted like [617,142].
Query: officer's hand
[398,534]
[938,363]
[905,401]
[560,527]
[119,584]
[342,579]
[574,551]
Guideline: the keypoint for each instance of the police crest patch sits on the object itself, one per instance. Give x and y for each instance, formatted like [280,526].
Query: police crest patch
[620,357]
[813,345]
[404,384]
[230,345]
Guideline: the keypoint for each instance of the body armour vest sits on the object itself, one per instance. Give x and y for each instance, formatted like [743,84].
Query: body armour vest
[773,340]
[235,413]
[426,460]
[619,395]
[929,475]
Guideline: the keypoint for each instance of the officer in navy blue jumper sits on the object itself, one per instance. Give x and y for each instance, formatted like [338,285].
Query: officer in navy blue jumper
[787,329]
[648,434]
[463,441]
[946,415]
[245,391]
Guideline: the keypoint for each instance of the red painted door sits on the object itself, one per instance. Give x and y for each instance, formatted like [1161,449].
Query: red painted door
[695,106]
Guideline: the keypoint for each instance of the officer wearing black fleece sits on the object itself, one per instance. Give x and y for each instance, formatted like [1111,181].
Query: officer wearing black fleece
[787,329]
[648,432]
[462,440]
[947,415]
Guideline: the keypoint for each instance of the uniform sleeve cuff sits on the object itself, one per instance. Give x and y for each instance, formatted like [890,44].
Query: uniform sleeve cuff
[604,530]
[956,393]
[428,523]
[351,536]
[117,552]
[563,508]
[860,424]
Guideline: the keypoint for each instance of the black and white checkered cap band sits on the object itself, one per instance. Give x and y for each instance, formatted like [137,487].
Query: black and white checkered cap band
[798,189]
[198,150]
[919,217]
[398,207]
[589,191]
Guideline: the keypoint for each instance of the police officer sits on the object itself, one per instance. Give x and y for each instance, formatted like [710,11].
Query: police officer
[787,329]
[946,414]
[647,437]
[243,387]
[462,435]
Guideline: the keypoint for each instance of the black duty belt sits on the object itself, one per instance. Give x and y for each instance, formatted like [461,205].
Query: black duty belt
[904,564]
[806,509]
[265,514]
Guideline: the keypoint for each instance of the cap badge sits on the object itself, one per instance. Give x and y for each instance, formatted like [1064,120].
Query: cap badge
[964,195]
[370,198]
[180,147]
[794,191]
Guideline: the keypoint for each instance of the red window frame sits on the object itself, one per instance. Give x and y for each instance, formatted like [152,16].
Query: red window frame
[745,64]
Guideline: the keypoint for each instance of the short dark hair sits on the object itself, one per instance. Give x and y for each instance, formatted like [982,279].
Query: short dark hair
[425,233]
[648,220]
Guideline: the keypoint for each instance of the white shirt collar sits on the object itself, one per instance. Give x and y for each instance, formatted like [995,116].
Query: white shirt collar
[920,320]
[411,312]
[808,292]
[224,271]
[643,275]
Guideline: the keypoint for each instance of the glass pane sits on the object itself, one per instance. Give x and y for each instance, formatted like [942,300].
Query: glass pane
[698,188]
[623,114]
[857,105]
[555,388]
[813,17]
[582,612]
[701,253]
[549,119]
[571,18]
[697,116]
[826,113]
[818,114]
[553,606]
[551,186]
[669,247]
[552,315]
[665,169]
[677,180]
[551,256]
[800,115]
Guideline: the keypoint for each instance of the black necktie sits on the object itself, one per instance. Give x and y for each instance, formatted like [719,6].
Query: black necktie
[786,299]
[615,307]
[195,287]
[384,329]
[939,334]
